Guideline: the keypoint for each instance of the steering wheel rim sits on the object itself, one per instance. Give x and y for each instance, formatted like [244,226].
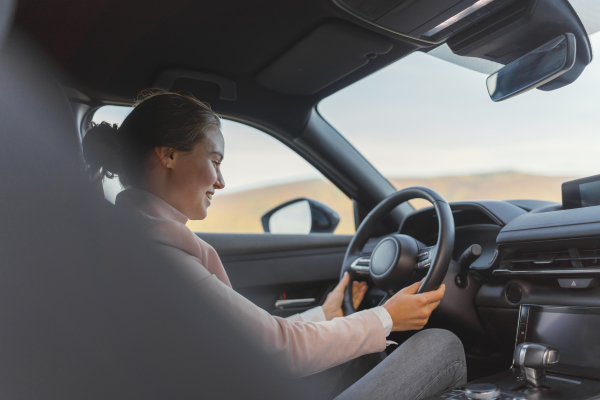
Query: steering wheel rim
[443,248]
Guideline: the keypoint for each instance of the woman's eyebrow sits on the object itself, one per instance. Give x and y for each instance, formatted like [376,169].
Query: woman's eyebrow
[218,153]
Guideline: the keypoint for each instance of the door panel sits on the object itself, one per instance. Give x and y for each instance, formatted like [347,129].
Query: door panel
[265,268]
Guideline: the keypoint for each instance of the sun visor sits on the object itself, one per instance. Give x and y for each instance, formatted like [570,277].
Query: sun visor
[324,56]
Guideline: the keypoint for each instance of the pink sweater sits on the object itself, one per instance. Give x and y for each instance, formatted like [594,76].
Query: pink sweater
[304,347]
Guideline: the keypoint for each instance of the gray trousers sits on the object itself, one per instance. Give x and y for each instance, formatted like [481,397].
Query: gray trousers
[428,363]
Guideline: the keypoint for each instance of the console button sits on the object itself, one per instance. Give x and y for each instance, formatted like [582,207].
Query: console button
[581,283]
[482,391]
[513,292]
[522,332]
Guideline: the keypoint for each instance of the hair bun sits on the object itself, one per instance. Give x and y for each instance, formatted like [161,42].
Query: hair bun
[102,147]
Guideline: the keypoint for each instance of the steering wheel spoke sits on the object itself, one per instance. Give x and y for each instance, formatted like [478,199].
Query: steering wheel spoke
[361,265]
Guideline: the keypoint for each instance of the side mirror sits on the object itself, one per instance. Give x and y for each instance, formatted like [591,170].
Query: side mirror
[300,216]
[534,69]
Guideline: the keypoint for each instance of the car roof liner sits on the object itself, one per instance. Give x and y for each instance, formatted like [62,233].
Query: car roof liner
[112,51]
[325,55]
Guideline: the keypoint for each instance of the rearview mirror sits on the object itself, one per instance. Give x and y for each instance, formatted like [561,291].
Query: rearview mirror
[300,216]
[534,69]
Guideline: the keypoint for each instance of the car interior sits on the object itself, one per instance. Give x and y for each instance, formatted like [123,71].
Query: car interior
[521,275]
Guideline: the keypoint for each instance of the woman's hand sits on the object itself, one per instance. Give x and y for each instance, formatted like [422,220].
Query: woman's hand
[333,304]
[411,311]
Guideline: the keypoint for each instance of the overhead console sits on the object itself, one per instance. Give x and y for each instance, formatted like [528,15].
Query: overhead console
[496,30]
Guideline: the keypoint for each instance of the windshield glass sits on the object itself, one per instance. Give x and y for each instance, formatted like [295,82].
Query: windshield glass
[426,121]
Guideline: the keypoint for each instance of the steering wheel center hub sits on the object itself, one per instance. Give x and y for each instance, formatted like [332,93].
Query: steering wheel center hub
[393,262]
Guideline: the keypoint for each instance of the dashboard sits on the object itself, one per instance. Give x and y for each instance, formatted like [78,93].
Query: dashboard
[533,252]
[474,224]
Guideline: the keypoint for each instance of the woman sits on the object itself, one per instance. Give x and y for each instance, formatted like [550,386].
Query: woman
[168,152]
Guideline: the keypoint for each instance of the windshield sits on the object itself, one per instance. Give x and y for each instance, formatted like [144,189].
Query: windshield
[426,121]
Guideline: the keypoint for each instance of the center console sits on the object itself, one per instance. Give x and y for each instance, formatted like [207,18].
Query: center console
[557,357]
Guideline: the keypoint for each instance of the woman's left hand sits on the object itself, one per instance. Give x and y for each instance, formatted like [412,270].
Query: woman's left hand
[333,304]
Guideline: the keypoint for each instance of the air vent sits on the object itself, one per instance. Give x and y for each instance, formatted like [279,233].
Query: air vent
[504,50]
[566,259]
[568,262]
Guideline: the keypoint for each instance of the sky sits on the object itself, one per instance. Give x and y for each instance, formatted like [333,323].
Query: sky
[426,117]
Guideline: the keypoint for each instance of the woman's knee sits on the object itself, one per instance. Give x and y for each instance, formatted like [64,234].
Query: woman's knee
[443,352]
[439,348]
[440,342]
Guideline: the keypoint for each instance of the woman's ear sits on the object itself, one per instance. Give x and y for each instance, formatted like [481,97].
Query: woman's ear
[165,155]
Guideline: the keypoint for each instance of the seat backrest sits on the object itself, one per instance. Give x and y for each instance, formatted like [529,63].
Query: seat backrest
[89,308]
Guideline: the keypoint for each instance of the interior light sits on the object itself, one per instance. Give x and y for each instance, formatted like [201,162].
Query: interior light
[458,17]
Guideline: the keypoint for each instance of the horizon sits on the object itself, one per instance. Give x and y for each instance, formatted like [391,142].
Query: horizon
[258,186]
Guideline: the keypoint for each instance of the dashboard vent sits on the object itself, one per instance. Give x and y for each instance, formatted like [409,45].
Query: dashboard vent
[565,262]
[572,258]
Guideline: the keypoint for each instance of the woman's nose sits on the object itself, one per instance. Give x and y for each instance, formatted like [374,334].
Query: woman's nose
[220,183]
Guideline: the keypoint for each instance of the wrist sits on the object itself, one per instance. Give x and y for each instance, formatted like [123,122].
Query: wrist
[386,308]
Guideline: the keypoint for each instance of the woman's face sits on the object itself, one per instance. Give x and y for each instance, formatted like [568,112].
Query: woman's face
[196,175]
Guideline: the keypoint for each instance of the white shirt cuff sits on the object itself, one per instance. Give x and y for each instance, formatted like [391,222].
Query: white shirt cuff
[316,315]
[385,318]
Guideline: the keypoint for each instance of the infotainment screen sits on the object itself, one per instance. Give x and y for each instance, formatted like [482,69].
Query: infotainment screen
[584,192]
[575,331]
[590,193]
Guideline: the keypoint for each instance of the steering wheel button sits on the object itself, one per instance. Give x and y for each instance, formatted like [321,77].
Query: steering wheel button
[424,264]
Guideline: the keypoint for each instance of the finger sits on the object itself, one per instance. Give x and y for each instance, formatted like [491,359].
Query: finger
[343,283]
[359,293]
[435,295]
[358,286]
[359,289]
[412,289]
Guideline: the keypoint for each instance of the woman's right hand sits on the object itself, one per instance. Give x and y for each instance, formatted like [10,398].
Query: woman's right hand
[411,311]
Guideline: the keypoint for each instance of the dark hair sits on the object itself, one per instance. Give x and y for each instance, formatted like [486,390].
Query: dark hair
[159,119]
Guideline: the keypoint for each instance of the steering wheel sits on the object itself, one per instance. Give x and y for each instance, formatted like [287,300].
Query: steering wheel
[397,258]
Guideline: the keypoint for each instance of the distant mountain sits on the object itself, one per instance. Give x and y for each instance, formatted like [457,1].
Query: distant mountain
[241,212]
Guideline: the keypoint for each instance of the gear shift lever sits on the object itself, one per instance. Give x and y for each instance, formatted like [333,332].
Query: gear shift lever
[534,359]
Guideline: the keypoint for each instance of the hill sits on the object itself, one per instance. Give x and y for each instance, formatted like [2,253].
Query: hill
[241,212]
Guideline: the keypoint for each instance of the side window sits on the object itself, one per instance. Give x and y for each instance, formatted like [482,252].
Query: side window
[260,174]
